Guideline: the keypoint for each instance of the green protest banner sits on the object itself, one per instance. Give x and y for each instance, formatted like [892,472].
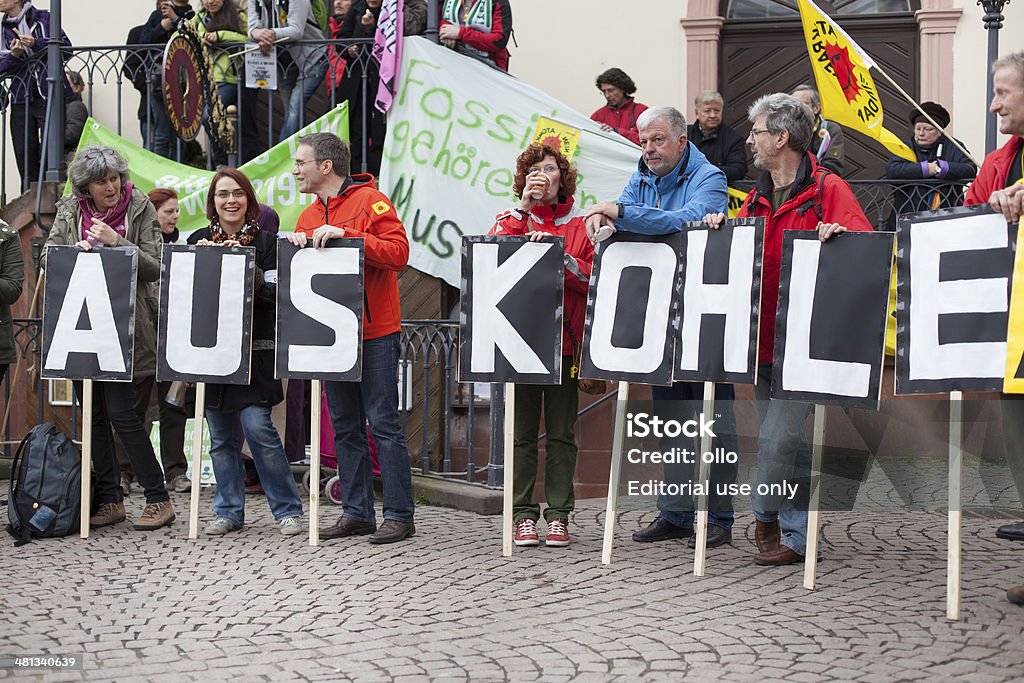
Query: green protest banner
[270,172]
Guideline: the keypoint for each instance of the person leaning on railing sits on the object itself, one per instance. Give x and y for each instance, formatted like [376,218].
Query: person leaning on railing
[158,29]
[936,158]
[106,210]
[545,183]
[25,35]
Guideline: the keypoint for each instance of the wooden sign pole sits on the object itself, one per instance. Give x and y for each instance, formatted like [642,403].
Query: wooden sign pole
[953,536]
[510,420]
[314,461]
[700,526]
[86,504]
[197,460]
[613,474]
[814,499]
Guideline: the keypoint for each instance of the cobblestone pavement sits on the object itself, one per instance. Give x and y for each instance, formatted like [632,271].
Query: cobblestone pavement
[447,606]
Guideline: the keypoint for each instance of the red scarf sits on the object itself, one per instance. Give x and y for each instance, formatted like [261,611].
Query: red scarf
[114,217]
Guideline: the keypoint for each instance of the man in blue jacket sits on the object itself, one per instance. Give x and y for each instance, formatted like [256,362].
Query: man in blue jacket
[675,183]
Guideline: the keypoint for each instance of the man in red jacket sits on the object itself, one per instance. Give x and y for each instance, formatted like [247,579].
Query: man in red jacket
[1000,182]
[351,206]
[793,193]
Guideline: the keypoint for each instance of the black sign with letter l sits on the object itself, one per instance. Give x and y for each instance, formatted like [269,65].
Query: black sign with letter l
[830,328]
[206,296]
[631,309]
[89,313]
[320,311]
[510,317]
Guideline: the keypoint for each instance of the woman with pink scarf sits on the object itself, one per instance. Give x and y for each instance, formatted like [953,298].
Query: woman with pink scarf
[105,210]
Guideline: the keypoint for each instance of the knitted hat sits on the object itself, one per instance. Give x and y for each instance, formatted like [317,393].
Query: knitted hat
[935,110]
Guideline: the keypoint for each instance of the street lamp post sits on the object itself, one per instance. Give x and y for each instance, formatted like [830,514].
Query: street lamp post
[993,21]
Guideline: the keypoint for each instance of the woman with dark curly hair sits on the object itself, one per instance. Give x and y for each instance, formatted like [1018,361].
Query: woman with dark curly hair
[619,115]
[545,183]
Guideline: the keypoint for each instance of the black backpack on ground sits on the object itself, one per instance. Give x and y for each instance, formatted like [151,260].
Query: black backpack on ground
[45,489]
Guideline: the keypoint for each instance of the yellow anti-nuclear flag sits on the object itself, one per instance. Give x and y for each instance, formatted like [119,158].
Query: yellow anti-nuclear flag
[841,70]
[558,135]
[1013,378]
[736,198]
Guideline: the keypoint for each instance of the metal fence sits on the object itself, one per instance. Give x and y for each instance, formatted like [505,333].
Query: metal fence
[129,75]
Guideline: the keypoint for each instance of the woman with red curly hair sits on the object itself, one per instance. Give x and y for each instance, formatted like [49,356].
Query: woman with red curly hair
[545,182]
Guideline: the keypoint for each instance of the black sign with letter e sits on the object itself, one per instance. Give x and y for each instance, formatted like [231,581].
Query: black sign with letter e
[954,270]
[720,278]
[206,296]
[320,311]
[510,316]
[631,307]
[830,328]
[89,313]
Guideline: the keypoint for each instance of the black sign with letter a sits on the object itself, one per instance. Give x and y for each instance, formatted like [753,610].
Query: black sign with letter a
[320,311]
[830,328]
[631,306]
[510,317]
[720,278]
[89,313]
[206,298]
[954,271]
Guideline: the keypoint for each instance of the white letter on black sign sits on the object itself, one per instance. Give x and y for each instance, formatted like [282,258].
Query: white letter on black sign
[661,260]
[340,356]
[86,289]
[800,371]
[928,359]
[491,329]
[225,357]
[732,299]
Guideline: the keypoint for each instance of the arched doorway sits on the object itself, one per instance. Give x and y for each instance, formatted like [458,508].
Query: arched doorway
[762,50]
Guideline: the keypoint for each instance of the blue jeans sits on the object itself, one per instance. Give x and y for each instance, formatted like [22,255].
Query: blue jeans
[684,402]
[374,399]
[160,126]
[782,454]
[268,454]
[295,97]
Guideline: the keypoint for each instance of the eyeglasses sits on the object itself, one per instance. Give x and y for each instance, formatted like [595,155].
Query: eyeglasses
[925,129]
[224,194]
[299,163]
[754,132]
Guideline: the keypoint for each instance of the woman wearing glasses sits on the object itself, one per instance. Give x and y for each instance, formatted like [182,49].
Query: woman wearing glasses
[233,212]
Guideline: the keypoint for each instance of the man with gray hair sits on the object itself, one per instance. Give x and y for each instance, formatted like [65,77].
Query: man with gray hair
[674,184]
[722,145]
[792,193]
[828,145]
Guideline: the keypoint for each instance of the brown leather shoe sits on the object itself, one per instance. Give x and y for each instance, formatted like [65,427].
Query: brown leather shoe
[347,526]
[155,515]
[108,513]
[766,536]
[782,555]
[1016,595]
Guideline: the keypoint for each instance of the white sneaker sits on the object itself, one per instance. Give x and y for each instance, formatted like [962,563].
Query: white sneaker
[291,526]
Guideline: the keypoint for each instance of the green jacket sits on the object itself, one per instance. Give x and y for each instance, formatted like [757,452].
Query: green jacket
[224,68]
[142,229]
[12,275]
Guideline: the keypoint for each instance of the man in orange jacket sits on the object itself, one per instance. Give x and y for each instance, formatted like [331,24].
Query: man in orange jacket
[352,206]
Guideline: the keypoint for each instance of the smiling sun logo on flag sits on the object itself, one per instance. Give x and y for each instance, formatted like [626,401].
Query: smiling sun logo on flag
[843,70]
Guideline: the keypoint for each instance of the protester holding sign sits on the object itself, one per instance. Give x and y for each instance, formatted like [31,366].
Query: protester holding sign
[232,209]
[1000,182]
[792,193]
[106,210]
[351,206]
[222,21]
[545,183]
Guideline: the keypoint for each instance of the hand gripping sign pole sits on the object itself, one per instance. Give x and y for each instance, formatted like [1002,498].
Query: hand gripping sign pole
[704,470]
[197,460]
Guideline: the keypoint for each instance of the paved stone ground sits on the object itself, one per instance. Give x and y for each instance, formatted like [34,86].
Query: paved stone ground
[447,606]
